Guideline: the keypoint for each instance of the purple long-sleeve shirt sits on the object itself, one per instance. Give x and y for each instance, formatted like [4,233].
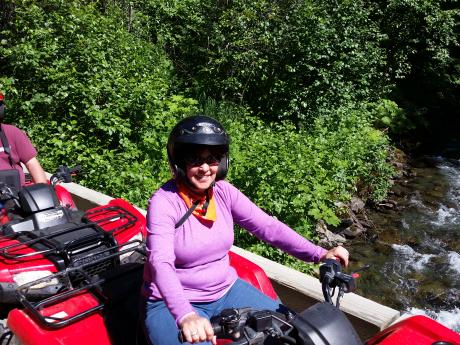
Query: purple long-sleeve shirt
[191,263]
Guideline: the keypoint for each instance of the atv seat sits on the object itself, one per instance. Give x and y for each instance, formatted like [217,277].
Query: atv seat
[40,208]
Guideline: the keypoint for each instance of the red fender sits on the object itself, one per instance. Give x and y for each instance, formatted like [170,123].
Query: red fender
[65,198]
[419,330]
[90,331]
[253,274]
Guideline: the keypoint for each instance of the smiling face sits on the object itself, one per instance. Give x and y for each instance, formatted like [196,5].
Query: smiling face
[201,169]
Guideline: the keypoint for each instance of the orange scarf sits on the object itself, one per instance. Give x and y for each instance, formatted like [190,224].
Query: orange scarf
[206,208]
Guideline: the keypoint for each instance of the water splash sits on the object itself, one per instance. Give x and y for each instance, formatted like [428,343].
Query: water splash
[411,259]
[417,202]
[446,216]
[449,214]
[454,261]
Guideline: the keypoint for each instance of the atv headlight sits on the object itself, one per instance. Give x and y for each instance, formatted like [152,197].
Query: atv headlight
[28,277]
[136,239]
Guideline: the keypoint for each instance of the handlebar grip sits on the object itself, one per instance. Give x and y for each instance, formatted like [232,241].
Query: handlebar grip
[216,328]
[242,341]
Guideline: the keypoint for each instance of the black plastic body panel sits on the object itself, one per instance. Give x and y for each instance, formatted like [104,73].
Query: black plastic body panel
[8,292]
[11,178]
[40,220]
[37,197]
[325,324]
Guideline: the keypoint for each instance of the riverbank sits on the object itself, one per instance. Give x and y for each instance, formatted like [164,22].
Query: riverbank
[413,244]
[355,221]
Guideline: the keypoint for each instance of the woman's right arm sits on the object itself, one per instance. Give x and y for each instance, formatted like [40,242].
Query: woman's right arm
[161,256]
[160,250]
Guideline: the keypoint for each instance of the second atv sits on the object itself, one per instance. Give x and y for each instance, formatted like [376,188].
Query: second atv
[43,233]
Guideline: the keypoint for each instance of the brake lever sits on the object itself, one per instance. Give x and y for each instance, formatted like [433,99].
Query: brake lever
[355,274]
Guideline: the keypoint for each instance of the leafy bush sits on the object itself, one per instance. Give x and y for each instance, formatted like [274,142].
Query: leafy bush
[89,92]
[285,59]
[422,49]
[301,59]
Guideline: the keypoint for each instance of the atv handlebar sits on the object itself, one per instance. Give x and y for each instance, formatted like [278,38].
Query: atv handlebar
[64,174]
[246,326]
[331,276]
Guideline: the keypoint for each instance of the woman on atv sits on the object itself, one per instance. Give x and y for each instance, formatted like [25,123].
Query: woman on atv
[15,149]
[190,221]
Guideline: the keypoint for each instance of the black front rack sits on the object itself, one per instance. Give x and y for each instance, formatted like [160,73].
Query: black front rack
[70,295]
[62,243]
[47,243]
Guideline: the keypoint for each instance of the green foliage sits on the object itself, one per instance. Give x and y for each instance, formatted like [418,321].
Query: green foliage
[422,50]
[285,59]
[89,92]
[417,31]
[301,59]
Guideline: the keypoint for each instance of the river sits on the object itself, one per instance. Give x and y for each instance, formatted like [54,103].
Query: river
[414,250]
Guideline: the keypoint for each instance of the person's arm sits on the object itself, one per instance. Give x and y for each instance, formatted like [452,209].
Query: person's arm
[36,171]
[161,258]
[271,230]
[28,155]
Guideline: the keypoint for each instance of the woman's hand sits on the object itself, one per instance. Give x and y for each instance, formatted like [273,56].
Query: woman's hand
[338,252]
[197,329]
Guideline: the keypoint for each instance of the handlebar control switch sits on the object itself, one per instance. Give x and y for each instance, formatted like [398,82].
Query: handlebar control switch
[230,321]
[252,337]
[260,320]
[347,282]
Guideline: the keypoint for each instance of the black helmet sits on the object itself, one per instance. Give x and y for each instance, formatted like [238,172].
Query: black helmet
[197,131]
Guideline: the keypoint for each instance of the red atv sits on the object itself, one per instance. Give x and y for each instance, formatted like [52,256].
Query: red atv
[102,310]
[43,233]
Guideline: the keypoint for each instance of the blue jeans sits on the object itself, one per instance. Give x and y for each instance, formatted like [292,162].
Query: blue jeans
[160,326]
